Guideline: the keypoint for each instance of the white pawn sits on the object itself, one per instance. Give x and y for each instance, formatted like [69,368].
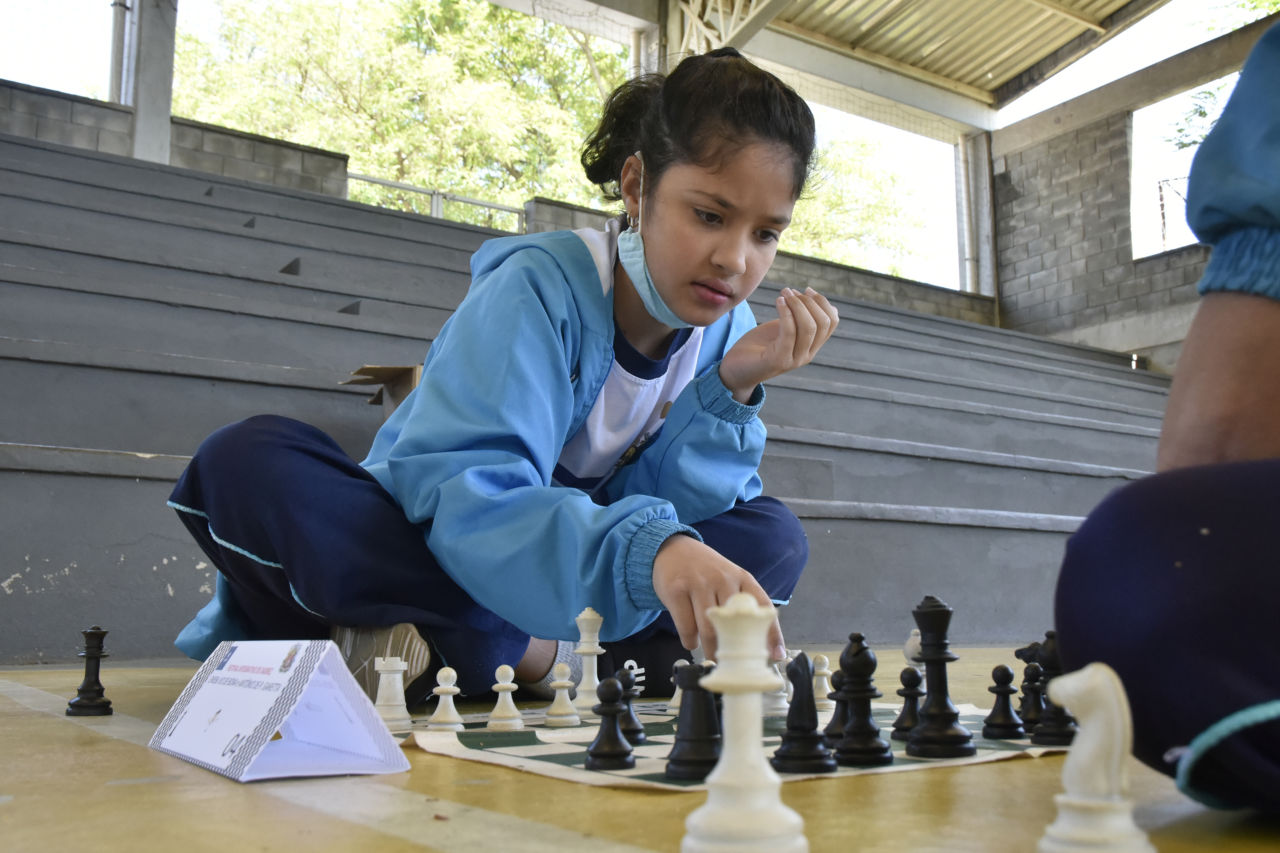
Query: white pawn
[1095,812]
[562,713]
[589,622]
[505,716]
[777,702]
[822,683]
[390,703]
[446,715]
[673,704]
[911,649]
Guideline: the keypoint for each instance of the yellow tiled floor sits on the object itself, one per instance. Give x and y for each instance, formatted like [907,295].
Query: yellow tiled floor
[92,784]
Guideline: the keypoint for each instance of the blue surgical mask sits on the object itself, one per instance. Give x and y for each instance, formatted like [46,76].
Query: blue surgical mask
[631,256]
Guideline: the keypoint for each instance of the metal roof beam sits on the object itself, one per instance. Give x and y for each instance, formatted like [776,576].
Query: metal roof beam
[1063,11]
[756,19]
[846,68]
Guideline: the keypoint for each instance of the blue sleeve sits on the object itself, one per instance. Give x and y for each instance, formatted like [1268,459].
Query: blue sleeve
[1233,196]
[474,451]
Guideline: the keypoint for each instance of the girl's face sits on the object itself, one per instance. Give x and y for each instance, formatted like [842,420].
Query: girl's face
[710,234]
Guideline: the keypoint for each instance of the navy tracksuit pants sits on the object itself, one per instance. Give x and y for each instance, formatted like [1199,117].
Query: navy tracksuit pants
[1174,581]
[305,539]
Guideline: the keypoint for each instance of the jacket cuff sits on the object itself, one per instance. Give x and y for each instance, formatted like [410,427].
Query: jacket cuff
[1246,260]
[717,400]
[638,568]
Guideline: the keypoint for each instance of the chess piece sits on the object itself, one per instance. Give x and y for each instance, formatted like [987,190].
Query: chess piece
[561,713]
[939,734]
[803,748]
[90,700]
[697,743]
[776,701]
[840,716]
[632,728]
[909,716]
[861,744]
[589,648]
[1032,705]
[610,750]
[911,649]
[390,696]
[1056,726]
[822,683]
[505,716]
[673,704]
[1003,722]
[1095,812]
[446,715]
[744,808]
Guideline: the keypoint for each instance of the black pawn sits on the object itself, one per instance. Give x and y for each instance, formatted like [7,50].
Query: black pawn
[1003,722]
[803,748]
[90,700]
[861,745]
[1056,726]
[610,750]
[840,715]
[1031,707]
[697,743]
[939,734]
[632,728]
[911,694]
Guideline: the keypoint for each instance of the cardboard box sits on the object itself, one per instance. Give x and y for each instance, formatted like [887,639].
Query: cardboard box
[396,382]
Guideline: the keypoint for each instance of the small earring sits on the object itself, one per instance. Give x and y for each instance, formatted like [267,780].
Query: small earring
[631,221]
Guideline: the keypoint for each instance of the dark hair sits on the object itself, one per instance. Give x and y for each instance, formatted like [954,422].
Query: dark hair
[702,112]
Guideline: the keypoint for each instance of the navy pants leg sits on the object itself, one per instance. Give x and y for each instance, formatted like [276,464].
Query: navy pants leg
[305,539]
[1174,582]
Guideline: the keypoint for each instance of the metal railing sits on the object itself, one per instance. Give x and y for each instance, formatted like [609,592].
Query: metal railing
[439,198]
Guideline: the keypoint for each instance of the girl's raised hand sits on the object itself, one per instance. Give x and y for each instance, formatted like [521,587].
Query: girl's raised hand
[805,322]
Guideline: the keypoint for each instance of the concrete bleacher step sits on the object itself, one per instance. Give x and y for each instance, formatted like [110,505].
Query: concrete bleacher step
[797,401]
[870,564]
[444,250]
[844,467]
[127,400]
[114,399]
[242,255]
[284,296]
[68,305]
[887,320]
[91,542]
[211,326]
[92,169]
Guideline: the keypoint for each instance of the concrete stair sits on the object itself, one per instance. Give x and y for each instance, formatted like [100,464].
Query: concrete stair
[142,307]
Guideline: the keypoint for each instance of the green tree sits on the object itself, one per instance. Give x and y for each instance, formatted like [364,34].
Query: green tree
[476,100]
[1206,104]
[853,211]
[458,95]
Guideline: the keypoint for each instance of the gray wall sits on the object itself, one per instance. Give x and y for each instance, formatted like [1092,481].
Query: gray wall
[798,271]
[99,126]
[1063,241]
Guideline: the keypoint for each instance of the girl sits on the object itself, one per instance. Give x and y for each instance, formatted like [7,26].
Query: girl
[586,432]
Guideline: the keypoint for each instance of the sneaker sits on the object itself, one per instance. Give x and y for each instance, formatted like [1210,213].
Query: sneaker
[359,647]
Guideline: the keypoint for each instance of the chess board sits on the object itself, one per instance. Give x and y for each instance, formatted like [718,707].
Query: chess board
[561,752]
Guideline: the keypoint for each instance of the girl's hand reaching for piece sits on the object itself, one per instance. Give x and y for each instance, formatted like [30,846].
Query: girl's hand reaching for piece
[805,322]
[690,577]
